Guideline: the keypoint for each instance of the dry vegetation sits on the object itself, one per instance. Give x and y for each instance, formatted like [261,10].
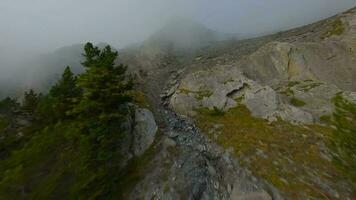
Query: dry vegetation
[293,158]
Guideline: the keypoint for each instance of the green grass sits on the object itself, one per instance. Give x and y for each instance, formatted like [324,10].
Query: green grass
[307,85]
[325,118]
[185,91]
[140,98]
[337,28]
[344,137]
[287,90]
[215,112]
[4,122]
[297,102]
[229,81]
[290,150]
[304,86]
[200,95]
[293,83]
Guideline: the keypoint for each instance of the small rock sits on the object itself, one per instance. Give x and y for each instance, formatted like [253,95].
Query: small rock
[19,134]
[201,148]
[172,134]
[167,142]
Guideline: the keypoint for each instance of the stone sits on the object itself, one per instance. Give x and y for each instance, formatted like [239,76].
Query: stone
[261,101]
[172,134]
[145,130]
[295,115]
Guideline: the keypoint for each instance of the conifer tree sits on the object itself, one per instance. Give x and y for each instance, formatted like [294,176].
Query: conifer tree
[66,90]
[105,84]
[61,98]
[30,101]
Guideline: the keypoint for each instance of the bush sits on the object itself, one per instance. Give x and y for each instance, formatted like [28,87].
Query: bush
[297,103]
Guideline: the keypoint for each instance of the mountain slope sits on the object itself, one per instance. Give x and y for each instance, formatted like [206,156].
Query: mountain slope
[273,103]
[265,118]
[284,97]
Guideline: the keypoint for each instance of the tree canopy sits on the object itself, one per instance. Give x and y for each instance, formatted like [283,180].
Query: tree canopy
[76,132]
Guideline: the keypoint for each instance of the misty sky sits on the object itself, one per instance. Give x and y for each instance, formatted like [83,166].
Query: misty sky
[48,24]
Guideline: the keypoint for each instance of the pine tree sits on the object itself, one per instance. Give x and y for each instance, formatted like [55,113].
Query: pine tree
[61,98]
[103,106]
[30,101]
[105,85]
[66,89]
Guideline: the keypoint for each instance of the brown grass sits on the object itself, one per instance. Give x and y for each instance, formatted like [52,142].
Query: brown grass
[291,159]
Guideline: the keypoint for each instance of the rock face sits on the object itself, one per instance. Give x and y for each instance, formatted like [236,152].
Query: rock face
[141,129]
[291,76]
[328,56]
[294,80]
[278,61]
[213,88]
[225,87]
[145,130]
[262,101]
[189,166]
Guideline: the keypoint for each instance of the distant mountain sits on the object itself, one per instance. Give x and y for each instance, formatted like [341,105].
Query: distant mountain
[182,33]
[179,39]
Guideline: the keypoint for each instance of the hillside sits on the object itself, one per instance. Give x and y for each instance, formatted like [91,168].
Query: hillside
[272,103]
[196,115]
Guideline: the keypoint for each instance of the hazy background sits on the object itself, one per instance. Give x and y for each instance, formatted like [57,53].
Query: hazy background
[32,27]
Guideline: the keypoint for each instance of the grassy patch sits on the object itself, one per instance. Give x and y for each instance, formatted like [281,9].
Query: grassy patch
[337,28]
[228,81]
[308,85]
[200,95]
[304,86]
[215,112]
[293,83]
[287,90]
[344,137]
[325,118]
[290,158]
[140,99]
[297,102]
[240,99]
[185,91]
[4,122]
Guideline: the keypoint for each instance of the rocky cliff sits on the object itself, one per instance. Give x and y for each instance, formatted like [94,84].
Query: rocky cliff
[250,119]
[313,66]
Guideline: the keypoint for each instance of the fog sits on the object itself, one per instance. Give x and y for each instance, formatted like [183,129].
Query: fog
[32,27]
